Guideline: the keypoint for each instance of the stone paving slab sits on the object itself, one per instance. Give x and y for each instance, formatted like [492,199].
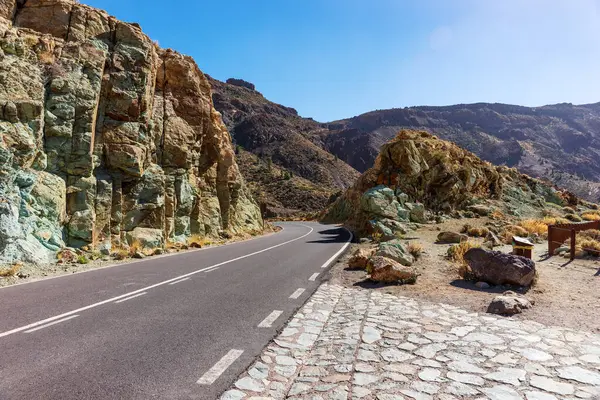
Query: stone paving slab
[348,343]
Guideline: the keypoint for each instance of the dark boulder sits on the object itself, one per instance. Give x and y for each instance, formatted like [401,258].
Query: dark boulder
[498,268]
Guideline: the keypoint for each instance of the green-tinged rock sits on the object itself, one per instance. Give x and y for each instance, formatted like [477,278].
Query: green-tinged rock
[416,212]
[147,238]
[381,201]
[395,250]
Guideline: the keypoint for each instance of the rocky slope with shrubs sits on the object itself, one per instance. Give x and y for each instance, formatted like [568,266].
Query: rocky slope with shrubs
[106,139]
[557,142]
[282,155]
[418,177]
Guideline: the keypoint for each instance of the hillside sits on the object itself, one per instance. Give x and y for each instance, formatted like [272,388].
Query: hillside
[106,140]
[418,177]
[558,142]
[281,154]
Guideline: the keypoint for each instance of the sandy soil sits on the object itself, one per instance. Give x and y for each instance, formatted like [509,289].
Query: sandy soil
[567,293]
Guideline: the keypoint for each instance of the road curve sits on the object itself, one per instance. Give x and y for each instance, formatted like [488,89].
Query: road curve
[176,327]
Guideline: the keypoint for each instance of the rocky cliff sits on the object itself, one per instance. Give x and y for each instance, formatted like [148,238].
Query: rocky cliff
[417,176]
[557,142]
[281,154]
[105,138]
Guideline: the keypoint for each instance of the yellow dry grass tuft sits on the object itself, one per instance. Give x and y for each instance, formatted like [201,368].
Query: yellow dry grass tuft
[590,216]
[457,253]
[497,215]
[198,241]
[135,246]
[478,232]
[415,249]
[12,271]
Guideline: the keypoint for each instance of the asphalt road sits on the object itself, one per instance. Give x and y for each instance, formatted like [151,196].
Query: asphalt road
[174,327]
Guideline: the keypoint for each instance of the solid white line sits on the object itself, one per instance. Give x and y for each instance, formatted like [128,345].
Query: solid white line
[313,277]
[212,269]
[336,255]
[181,280]
[221,366]
[297,293]
[267,322]
[130,297]
[52,323]
[44,321]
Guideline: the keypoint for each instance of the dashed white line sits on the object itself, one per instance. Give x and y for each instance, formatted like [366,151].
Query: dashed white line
[51,323]
[221,366]
[56,317]
[268,322]
[313,277]
[297,293]
[179,281]
[130,297]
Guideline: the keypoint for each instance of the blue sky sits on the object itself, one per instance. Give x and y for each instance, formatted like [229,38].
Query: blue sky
[332,59]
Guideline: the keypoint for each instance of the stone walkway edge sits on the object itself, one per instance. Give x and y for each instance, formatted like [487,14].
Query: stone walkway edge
[348,343]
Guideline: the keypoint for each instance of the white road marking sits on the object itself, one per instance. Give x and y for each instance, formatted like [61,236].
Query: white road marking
[267,322]
[212,269]
[45,321]
[52,323]
[130,297]
[297,293]
[221,366]
[181,280]
[336,255]
[313,277]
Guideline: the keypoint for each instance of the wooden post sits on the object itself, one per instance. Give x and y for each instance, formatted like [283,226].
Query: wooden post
[550,253]
[573,244]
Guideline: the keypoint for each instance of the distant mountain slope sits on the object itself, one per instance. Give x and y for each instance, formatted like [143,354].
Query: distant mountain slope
[281,155]
[559,142]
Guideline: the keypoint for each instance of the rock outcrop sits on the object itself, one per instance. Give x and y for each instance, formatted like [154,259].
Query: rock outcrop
[105,138]
[416,171]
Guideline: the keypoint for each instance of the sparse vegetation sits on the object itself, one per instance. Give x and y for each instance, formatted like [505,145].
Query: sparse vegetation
[475,231]
[416,250]
[198,241]
[456,254]
[591,216]
[135,247]
[82,259]
[573,218]
[11,271]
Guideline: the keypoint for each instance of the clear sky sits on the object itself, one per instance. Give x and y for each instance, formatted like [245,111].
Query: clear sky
[332,59]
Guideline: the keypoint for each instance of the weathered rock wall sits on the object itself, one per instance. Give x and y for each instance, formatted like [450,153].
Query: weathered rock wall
[105,138]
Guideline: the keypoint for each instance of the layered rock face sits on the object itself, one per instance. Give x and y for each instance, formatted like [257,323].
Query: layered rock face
[416,170]
[105,138]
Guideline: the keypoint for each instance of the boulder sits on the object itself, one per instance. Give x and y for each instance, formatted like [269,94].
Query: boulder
[360,258]
[498,268]
[383,269]
[451,237]
[416,212]
[381,201]
[509,303]
[148,238]
[480,209]
[395,250]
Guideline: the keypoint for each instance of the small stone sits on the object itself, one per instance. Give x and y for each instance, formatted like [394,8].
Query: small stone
[401,368]
[299,388]
[482,285]
[416,395]
[505,359]
[248,383]
[335,378]
[394,355]
[461,390]
[551,385]
[362,379]
[511,376]
[579,374]
[466,378]
[233,395]
[531,395]
[360,392]
[430,374]
[535,354]
[367,355]
[370,335]
[425,387]
[502,393]
[362,367]
[429,351]
[463,366]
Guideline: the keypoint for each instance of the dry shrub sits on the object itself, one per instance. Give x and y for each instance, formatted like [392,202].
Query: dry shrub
[510,231]
[198,241]
[573,217]
[590,216]
[12,271]
[415,249]
[497,215]
[134,247]
[478,232]
[456,254]
[553,220]
[534,226]
[120,253]
[589,245]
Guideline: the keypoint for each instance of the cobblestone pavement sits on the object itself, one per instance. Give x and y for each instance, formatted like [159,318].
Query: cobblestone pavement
[350,343]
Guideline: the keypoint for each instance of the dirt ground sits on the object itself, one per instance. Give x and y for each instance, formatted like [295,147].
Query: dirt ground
[566,294]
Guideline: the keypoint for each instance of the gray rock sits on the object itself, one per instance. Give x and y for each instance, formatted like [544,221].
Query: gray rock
[509,303]
[395,250]
[499,268]
[383,269]
[451,237]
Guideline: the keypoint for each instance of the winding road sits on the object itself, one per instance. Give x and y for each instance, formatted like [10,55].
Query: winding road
[180,326]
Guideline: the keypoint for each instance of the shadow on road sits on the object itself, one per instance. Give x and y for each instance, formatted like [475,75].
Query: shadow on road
[334,235]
